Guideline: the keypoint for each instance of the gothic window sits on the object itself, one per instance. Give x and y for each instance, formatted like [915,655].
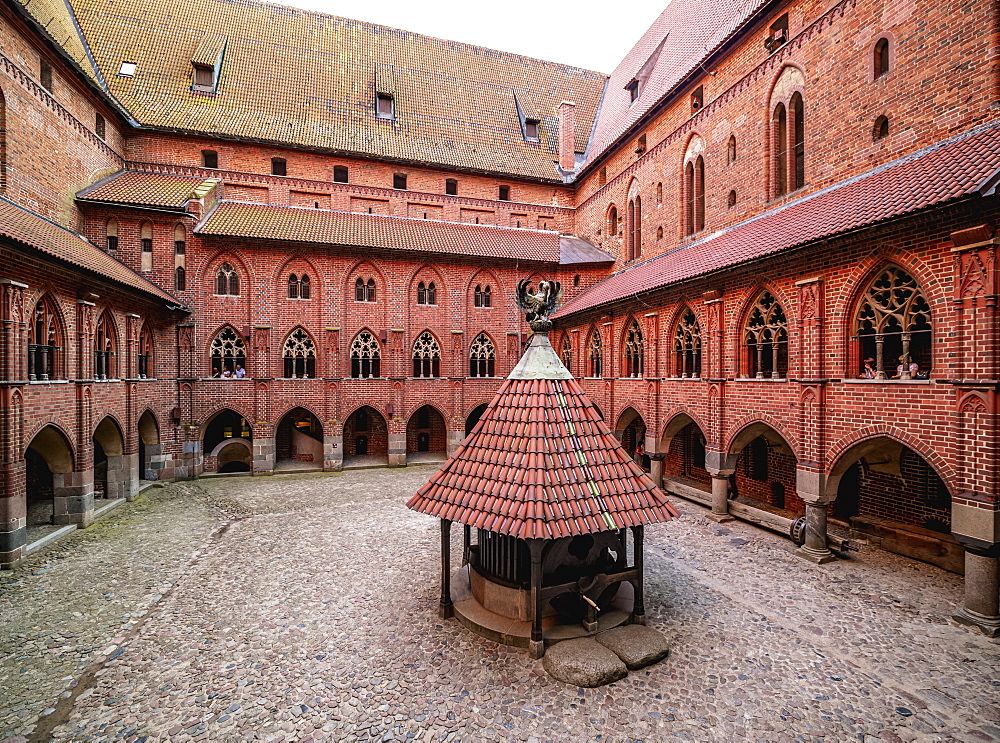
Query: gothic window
[612,220]
[426,356]
[180,279]
[687,346]
[293,286]
[305,288]
[44,342]
[228,352]
[798,144]
[111,231]
[788,145]
[426,293]
[881,128]
[694,195]
[144,364]
[731,149]
[633,350]
[633,228]
[894,327]
[483,296]
[881,58]
[595,356]
[659,193]
[766,339]
[180,240]
[482,357]
[227,281]
[566,353]
[146,245]
[364,291]
[104,348]
[299,355]
[731,199]
[366,356]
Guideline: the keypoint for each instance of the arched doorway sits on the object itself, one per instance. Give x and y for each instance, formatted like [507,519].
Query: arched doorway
[893,498]
[299,441]
[111,475]
[48,460]
[765,472]
[631,431]
[474,417]
[366,439]
[227,443]
[150,449]
[426,436]
[683,444]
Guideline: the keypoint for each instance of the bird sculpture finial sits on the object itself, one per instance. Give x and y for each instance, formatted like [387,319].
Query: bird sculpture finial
[538,307]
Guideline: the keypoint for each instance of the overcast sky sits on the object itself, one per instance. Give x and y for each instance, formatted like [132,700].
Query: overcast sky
[581,34]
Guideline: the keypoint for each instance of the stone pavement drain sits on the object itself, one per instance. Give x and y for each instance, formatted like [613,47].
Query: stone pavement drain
[312,616]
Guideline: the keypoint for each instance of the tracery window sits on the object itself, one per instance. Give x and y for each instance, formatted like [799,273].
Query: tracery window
[299,355]
[364,291]
[687,346]
[104,348]
[566,353]
[44,343]
[426,356]
[894,327]
[595,356]
[228,351]
[366,356]
[766,339]
[482,357]
[144,362]
[633,350]
[426,293]
[227,281]
[483,296]
[788,136]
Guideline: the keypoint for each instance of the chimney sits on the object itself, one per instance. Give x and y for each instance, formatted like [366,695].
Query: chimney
[567,143]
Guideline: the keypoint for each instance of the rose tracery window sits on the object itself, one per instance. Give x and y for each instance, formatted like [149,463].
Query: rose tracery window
[595,355]
[894,327]
[43,343]
[228,352]
[633,350]
[299,355]
[227,281]
[566,353]
[426,356]
[687,346]
[766,339]
[482,357]
[366,356]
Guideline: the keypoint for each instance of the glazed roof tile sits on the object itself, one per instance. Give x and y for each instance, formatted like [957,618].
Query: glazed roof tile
[454,102]
[36,232]
[965,165]
[297,224]
[148,189]
[564,473]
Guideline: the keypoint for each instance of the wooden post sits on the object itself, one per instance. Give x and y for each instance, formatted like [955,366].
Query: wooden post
[638,605]
[446,610]
[537,645]
[466,550]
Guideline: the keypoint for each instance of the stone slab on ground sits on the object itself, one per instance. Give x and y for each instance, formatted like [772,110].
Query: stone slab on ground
[636,645]
[583,662]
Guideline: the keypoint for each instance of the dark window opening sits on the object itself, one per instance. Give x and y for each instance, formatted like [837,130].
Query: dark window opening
[504,193]
[881,130]
[279,166]
[180,279]
[112,243]
[531,130]
[399,180]
[204,77]
[340,174]
[483,296]
[779,34]
[756,461]
[100,126]
[147,245]
[640,144]
[697,98]
[881,58]
[633,90]
[209,159]
[385,106]
[731,199]
[451,187]
[45,75]
[731,149]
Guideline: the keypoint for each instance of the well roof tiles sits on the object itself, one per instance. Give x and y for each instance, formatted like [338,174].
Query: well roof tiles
[959,167]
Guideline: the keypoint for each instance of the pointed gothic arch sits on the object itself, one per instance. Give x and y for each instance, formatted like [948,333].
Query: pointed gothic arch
[298,355]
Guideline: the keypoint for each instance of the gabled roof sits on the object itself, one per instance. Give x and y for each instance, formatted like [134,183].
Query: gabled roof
[685,34]
[454,102]
[541,464]
[33,231]
[148,189]
[965,165]
[325,227]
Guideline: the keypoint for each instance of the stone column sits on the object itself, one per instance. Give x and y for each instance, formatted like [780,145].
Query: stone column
[131,464]
[264,453]
[720,466]
[656,468]
[455,438]
[975,523]
[119,477]
[73,497]
[397,449]
[817,493]
[333,451]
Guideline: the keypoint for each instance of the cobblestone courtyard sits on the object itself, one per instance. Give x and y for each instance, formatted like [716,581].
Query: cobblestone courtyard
[304,607]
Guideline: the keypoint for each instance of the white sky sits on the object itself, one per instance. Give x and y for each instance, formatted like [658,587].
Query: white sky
[581,34]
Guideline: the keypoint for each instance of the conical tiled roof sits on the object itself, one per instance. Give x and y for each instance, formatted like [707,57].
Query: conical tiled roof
[541,463]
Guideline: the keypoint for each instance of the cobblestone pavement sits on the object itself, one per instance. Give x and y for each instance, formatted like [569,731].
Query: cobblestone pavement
[304,607]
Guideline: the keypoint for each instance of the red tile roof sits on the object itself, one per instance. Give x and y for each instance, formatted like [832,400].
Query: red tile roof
[33,231]
[685,34]
[147,189]
[542,464]
[296,224]
[965,165]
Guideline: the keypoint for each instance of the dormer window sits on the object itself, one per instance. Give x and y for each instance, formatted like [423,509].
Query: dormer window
[697,99]
[204,78]
[279,166]
[385,107]
[633,89]
[779,34]
[531,130]
[127,69]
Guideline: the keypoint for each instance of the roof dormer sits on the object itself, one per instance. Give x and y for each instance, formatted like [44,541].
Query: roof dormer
[207,63]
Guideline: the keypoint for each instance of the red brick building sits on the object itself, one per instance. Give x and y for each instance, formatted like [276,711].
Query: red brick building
[774,224]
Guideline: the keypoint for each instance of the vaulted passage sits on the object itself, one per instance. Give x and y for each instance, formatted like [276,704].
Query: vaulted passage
[228,443]
[426,436]
[366,438]
[765,472]
[299,441]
